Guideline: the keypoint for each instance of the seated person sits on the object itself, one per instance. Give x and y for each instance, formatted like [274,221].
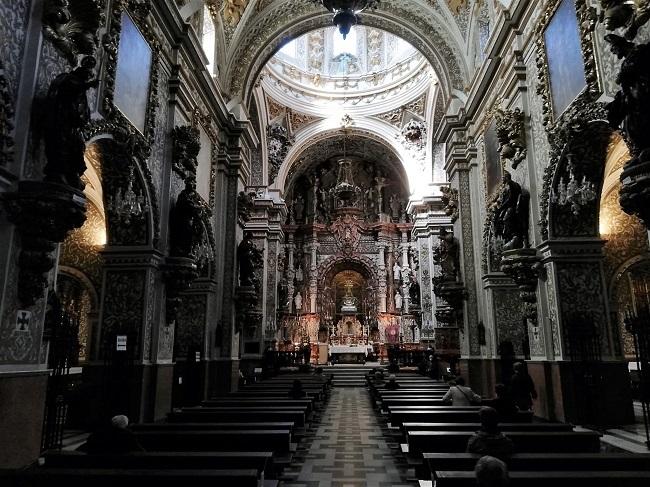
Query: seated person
[116,439]
[489,440]
[392,384]
[393,367]
[503,403]
[296,391]
[491,472]
[461,395]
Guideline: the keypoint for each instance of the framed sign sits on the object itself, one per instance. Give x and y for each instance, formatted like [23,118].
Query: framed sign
[133,74]
[563,48]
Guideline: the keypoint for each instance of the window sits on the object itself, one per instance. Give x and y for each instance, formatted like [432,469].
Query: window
[208,39]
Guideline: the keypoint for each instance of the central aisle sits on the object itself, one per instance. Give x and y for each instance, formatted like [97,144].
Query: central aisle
[348,448]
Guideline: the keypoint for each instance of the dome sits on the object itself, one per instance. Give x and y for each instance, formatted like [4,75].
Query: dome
[369,66]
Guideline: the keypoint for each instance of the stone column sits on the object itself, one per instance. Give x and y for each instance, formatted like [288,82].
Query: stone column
[577,299]
[313,277]
[381,285]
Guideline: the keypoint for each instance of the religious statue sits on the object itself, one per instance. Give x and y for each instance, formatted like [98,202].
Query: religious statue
[298,302]
[398,300]
[447,256]
[630,108]
[187,229]
[397,272]
[414,291]
[510,214]
[66,115]
[414,258]
[283,293]
[299,274]
[630,14]
[250,259]
[299,208]
[395,207]
[370,206]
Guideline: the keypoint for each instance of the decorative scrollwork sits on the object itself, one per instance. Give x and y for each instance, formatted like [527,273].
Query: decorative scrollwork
[279,142]
[6,119]
[512,135]
[187,145]
[450,200]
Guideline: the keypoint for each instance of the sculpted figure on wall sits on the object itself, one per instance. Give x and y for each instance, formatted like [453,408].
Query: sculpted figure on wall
[447,256]
[250,259]
[510,214]
[186,222]
[67,113]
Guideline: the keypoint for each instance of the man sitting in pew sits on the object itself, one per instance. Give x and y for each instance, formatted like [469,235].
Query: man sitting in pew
[392,384]
[461,395]
[489,440]
[491,472]
[116,439]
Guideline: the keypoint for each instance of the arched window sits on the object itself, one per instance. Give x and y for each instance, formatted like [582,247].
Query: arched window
[344,46]
[209,39]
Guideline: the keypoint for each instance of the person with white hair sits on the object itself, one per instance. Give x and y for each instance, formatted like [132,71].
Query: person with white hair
[115,439]
[491,472]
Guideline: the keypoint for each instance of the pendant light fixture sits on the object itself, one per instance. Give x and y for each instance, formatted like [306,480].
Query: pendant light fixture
[346,12]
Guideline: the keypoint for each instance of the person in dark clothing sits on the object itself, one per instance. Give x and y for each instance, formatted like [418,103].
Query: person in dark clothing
[296,391]
[491,472]
[489,440]
[392,384]
[522,388]
[116,439]
[503,403]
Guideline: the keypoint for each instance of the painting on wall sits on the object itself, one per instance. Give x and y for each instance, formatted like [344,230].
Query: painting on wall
[493,165]
[566,66]
[133,76]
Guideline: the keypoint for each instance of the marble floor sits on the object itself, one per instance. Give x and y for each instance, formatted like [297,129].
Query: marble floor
[348,448]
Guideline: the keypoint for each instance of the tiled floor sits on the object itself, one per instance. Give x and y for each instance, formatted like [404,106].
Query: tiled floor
[348,449]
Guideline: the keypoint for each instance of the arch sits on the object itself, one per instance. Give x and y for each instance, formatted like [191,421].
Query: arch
[321,131]
[434,34]
[83,279]
[335,263]
[110,139]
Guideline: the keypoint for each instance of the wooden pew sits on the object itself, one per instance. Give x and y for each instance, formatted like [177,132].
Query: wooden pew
[262,462]
[236,416]
[400,416]
[544,461]
[57,477]
[420,442]
[271,425]
[552,478]
[237,402]
[277,441]
[472,427]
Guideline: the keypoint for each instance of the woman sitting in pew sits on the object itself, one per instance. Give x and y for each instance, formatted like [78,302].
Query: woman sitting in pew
[461,395]
[489,440]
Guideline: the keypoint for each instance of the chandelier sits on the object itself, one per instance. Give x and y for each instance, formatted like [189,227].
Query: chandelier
[127,205]
[574,193]
[346,12]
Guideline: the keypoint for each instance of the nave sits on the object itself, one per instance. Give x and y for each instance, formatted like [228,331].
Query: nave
[298,430]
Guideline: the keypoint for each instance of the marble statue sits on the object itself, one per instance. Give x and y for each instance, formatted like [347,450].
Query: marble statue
[397,272]
[395,207]
[398,300]
[299,274]
[298,302]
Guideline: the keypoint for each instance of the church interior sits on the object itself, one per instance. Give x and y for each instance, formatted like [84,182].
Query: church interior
[321,243]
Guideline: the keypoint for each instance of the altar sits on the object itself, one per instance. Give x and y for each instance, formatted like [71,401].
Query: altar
[350,354]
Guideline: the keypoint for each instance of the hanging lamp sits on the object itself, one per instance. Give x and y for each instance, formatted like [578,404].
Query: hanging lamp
[346,12]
